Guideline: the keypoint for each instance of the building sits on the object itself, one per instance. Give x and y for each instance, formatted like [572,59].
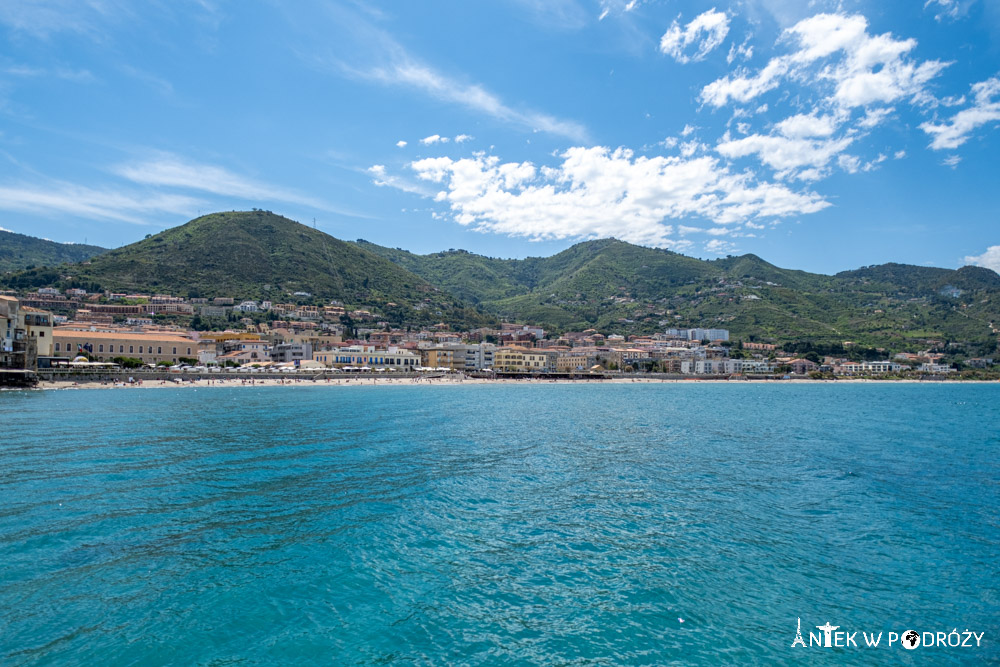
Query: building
[524,360]
[936,368]
[106,345]
[439,357]
[576,361]
[25,334]
[38,326]
[286,353]
[213,311]
[802,366]
[708,334]
[241,351]
[369,355]
[460,356]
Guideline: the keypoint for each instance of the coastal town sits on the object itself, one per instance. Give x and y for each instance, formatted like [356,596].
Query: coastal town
[53,332]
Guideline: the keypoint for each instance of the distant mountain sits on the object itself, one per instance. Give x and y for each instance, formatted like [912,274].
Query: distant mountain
[255,254]
[609,285]
[18,251]
[616,286]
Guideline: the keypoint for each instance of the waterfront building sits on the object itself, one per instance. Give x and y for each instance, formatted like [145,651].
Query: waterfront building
[520,359]
[368,355]
[105,345]
[284,353]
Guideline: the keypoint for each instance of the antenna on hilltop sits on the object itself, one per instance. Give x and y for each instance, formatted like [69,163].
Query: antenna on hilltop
[314,223]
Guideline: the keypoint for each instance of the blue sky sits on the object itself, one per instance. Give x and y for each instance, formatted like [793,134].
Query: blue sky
[818,135]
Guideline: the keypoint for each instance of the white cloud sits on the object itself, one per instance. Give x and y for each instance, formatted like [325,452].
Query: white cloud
[340,39]
[989,259]
[401,144]
[946,9]
[899,155]
[61,198]
[849,163]
[984,110]
[743,51]
[434,139]
[860,69]
[705,32]
[405,71]
[951,161]
[64,73]
[875,117]
[743,88]
[598,192]
[167,170]
[381,178]
[787,155]
[462,138]
[802,126]
[719,247]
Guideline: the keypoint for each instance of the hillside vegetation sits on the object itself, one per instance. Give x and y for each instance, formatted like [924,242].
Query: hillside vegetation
[616,286]
[256,255]
[19,251]
[606,284]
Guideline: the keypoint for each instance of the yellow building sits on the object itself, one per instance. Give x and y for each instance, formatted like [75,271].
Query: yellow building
[106,345]
[38,325]
[25,334]
[571,362]
[524,360]
[442,358]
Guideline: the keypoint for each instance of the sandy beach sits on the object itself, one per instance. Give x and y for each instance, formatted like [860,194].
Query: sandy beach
[456,380]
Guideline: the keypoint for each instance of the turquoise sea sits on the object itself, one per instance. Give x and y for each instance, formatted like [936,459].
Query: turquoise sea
[497,524]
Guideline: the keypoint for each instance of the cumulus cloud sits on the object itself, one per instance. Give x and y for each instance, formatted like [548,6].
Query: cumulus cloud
[801,126]
[702,35]
[984,110]
[989,259]
[835,50]
[462,138]
[434,139]
[599,192]
[719,247]
[401,143]
[798,156]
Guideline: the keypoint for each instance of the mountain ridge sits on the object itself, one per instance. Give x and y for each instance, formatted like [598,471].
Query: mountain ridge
[21,251]
[606,284]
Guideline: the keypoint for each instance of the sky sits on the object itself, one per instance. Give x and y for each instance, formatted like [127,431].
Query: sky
[818,135]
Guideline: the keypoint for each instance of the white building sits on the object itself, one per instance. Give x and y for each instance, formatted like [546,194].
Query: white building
[368,355]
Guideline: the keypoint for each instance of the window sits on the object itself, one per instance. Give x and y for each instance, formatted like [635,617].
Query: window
[175,351]
[159,350]
[100,348]
[131,349]
[57,347]
[140,349]
[41,334]
[121,348]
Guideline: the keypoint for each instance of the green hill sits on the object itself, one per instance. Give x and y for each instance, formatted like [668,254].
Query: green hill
[257,255]
[616,286]
[18,251]
[605,284]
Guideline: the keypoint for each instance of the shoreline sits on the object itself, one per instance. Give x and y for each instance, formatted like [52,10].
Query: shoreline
[449,381]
